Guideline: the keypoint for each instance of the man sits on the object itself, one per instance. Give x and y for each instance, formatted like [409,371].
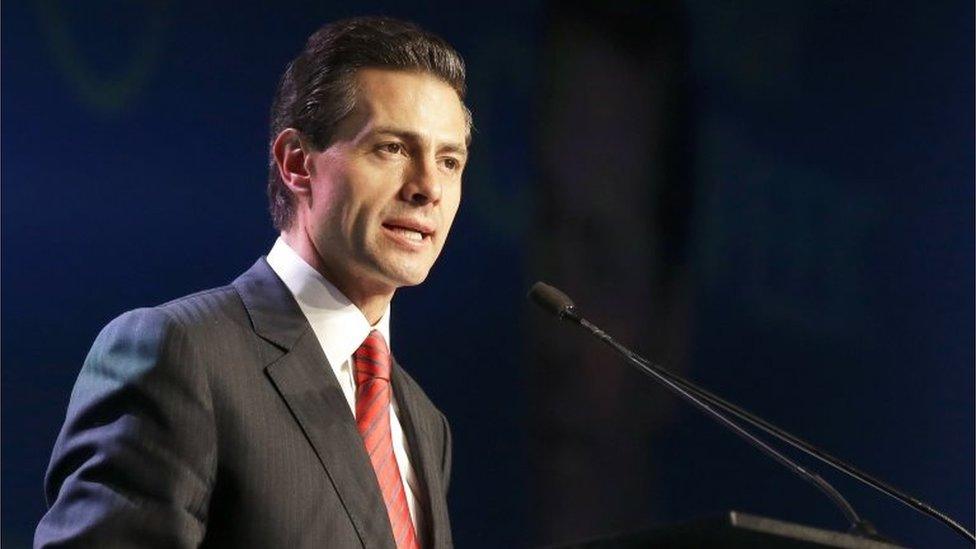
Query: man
[269,413]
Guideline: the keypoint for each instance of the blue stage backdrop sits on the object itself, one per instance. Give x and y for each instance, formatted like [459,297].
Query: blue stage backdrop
[776,199]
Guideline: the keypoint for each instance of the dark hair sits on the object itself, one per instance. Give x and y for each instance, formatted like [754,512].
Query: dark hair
[318,88]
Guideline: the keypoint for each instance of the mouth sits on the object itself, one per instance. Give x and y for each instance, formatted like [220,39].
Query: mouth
[409,231]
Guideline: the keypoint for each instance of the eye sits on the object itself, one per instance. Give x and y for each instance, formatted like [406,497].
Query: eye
[392,148]
[452,164]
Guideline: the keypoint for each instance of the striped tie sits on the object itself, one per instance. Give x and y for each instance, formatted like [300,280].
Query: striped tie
[372,368]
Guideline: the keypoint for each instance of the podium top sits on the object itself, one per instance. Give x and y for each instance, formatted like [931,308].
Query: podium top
[734,529]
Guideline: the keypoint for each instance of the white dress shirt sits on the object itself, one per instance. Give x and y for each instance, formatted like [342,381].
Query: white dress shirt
[341,328]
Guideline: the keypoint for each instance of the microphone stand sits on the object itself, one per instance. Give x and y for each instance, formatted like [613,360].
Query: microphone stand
[559,304]
[815,452]
[858,525]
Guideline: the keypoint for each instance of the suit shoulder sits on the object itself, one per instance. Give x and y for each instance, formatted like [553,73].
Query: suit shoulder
[198,313]
[172,337]
[205,307]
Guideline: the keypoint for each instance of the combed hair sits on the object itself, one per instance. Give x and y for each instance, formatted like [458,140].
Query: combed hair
[317,90]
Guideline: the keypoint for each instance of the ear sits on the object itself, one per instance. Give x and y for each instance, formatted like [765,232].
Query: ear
[290,154]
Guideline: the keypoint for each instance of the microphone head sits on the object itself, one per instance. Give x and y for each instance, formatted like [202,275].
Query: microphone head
[554,301]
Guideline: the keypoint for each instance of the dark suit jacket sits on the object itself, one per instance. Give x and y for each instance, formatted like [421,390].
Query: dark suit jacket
[215,420]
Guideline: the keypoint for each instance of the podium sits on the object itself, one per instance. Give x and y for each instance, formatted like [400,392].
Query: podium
[733,530]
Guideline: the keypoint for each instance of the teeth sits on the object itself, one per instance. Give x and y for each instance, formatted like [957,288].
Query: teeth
[410,234]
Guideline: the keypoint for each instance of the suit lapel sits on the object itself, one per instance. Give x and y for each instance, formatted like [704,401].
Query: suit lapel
[424,457]
[312,393]
[304,380]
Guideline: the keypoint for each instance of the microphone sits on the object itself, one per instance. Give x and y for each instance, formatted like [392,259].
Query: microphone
[553,301]
[559,304]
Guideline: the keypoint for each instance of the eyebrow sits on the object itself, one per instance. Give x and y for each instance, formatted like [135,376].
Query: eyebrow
[408,135]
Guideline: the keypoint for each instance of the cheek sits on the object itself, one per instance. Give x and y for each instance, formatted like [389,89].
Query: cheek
[451,201]
[337,202]
[362,212]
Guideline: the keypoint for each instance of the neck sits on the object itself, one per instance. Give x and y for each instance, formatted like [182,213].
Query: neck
[372,301]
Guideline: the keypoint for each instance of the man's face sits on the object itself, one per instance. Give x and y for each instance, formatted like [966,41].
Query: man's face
[384,193]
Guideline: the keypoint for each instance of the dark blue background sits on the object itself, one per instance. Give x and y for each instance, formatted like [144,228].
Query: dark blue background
[832,241]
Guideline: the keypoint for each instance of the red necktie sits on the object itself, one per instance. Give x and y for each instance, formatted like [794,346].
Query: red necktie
[372,371]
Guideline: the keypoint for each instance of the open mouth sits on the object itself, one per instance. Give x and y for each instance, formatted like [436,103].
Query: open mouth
[411,232]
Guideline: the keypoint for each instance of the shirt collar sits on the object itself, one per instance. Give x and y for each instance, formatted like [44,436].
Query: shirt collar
[338,324]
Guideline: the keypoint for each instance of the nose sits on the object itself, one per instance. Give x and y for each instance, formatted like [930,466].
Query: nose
[422,185]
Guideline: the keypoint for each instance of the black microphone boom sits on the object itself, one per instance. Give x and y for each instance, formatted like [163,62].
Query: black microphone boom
[559,304]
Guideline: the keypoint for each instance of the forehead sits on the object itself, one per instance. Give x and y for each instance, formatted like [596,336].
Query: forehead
[414,101]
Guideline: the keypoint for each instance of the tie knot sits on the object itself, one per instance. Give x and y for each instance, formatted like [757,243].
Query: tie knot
[372,358]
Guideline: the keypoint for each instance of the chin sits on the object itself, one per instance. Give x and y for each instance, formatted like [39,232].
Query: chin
[401,271]
[412,280]
[403,277]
